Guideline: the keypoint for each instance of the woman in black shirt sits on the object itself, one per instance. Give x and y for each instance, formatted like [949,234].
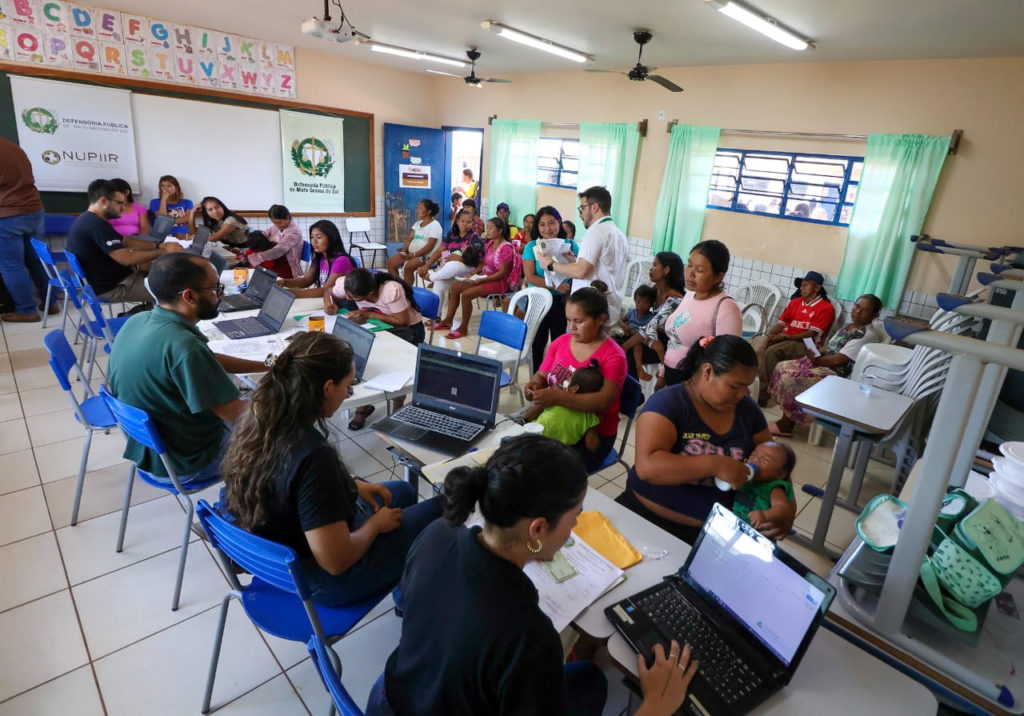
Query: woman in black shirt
[474,639]
[285,482]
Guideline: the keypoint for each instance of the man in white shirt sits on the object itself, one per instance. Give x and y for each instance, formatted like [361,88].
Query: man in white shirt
[604,251]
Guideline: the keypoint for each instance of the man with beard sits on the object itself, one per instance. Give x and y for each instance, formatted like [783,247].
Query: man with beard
[107,258]
[162,364]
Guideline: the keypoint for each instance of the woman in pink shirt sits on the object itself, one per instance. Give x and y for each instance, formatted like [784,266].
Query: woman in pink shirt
[287,238]
[330,262]
[586,313]
[706,309]
[134,219]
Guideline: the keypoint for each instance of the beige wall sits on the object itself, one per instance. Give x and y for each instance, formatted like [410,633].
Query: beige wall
[977,198]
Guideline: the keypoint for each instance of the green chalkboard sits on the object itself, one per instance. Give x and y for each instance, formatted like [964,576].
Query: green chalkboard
[358,154]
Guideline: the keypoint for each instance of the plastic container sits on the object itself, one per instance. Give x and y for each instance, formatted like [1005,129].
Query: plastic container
[1009,470]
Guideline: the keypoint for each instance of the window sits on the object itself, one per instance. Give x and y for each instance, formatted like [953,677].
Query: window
[820,188]
[559,163]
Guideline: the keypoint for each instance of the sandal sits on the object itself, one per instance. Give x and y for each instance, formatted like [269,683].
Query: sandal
[456,335]
[773,428]
[443,325]
[358,421]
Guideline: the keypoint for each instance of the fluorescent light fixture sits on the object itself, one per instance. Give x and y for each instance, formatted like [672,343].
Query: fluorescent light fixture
[410,54]
[537,43]
[756,20]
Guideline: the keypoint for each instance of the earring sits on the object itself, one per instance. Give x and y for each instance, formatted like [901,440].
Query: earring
[540,546]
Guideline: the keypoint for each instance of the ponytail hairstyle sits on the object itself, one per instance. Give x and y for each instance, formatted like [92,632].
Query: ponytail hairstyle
[501,226]
[724,353]
[529,476]
[676,279]
[288,400]
[593,300]
[360,282]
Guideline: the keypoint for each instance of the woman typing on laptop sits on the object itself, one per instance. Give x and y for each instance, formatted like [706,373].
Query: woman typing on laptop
[330,262]
[691,433]
[504,656]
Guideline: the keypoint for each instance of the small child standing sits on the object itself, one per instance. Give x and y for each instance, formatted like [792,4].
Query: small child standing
[258,243]
[767,497]
[569,426]
[636,318]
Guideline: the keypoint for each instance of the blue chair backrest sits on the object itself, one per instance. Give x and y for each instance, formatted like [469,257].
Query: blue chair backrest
[274,563]
[134,423]
[307,251]
[359,264]
[62,357]
[504,328]
[72,286]
[43,252]
[322,660]
[59,223]
[94,305]
[75,265]
[428,301]
[629,401]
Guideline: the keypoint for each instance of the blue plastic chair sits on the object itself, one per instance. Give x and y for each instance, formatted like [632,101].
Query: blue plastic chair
[59,225]
[92,413]
[307,252]
[98,328]
[53,281]
[137,424]
[320,653]
[629,403]
[278,599]
[83,280]
[508,330]
[430,304]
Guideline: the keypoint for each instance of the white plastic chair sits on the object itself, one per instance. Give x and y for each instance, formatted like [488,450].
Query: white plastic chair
[538,303]
[755,321]
[638,272]
[361,225]
[760,294]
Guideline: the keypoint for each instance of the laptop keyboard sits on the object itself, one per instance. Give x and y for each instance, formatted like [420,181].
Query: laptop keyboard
[240,301]
[245,327]
[438,423]
[720,667]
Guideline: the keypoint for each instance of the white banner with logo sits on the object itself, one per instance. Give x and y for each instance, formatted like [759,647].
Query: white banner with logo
[74,133]
[314,166]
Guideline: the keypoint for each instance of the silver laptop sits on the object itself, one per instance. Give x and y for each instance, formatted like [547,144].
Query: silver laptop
[255,293]
[160,228]
[199,241]
[361,340]
[269,321]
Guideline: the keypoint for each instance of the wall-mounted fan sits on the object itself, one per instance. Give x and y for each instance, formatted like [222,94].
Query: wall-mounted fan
[641,73]
[472,80]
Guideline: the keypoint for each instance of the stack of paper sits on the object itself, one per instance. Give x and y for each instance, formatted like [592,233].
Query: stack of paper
[249,346]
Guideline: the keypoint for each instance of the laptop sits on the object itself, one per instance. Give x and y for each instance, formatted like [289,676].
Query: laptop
[199,241]
[454,401]
[255,293]
[219,262]
[747,609]
[269,321]
[359,338]
[160,228]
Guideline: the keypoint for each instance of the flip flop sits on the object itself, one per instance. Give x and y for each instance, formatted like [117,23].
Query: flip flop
[442,325]
[456,335]
[358,421]
[773,428]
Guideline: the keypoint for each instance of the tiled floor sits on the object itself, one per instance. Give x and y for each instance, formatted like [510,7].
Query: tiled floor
[88,631]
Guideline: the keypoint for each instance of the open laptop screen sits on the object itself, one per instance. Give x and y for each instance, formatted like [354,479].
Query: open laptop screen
[275,308]
[260,283]
[742,572]
[468,386]
[359,338]
[161,227]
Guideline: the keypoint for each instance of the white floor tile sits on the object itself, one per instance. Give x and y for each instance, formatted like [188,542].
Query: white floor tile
[153,528]
[23,514]
[50,400]
[53,428]
[597,480]
[61,459]
[19,471]
[32,568]
[102,494]
[41,640]
[611,490]
[37,377]
[10,407]
[166,673]
[5,358]
[274,698]
[841,529]
[13,436]
[358,461]
[7,384]
[371,443]
[133,603]
[73,693]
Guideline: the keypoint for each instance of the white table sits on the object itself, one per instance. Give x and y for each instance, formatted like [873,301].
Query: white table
[838,400]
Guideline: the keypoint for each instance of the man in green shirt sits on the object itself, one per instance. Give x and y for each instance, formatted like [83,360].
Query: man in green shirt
[162,364]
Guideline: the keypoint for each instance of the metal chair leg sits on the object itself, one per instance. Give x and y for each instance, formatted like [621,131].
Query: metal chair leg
[81,477]
[124,510]
[218,638]
[46,304]
[184,553]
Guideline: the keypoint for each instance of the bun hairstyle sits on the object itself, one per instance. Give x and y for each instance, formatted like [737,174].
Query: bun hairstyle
[431,206]
[529,476]
[724,353]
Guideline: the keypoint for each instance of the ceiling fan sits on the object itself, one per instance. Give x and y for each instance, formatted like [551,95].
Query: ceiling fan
[640,72]
[472,80]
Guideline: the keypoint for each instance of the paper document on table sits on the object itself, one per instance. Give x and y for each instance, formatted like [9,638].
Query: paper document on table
[811,347]
[437,471]
[390,382]
[250,346]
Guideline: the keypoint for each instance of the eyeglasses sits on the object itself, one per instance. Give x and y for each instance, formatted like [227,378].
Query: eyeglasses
[351,391]
[581,207]
[217,289]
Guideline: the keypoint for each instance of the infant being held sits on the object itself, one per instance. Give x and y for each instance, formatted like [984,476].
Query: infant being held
[767,497]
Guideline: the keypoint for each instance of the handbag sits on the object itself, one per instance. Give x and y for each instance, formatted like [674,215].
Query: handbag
[967,580]
[994,537]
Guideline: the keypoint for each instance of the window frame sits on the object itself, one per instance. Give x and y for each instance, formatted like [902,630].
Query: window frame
[792,157]
[561,159]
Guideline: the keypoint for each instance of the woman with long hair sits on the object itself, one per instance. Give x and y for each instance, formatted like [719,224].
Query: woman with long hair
[497,273]
[586,313]
[690,433]
[172,203]
[286,237]
[330,262]
[420,242]
[503,656]
[134,219]
[284,481]
[667,275]
[547,224]
[224,224]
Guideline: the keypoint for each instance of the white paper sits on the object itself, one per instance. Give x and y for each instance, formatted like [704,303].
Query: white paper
[811,347]
[390,382]
[555,250]
[249,346]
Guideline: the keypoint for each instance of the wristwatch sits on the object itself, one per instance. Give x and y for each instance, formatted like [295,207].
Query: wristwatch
[550,266]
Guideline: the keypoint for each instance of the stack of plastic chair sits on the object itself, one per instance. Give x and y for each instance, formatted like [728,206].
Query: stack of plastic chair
[638,272]
[760,294]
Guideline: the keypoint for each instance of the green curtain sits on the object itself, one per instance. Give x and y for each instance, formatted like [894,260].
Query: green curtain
[895,190]
[679,217]
[515,153]
[608,158]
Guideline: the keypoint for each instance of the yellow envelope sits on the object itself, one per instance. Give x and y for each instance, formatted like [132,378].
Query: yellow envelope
[595,529]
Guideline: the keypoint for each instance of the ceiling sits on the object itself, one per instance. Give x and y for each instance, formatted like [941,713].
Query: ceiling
[686,32]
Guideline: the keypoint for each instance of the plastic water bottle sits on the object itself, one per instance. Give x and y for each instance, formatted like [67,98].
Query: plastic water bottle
[751,474]
[865,384]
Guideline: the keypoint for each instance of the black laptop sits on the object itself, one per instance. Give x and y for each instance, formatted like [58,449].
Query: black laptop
[255,293]
[160,229]
[361,340]
[271,317]
[219,262]
[747,609]
[199,241]
[454,401]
